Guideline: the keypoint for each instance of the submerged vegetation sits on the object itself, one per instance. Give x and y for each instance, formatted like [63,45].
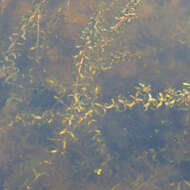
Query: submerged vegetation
[93,100]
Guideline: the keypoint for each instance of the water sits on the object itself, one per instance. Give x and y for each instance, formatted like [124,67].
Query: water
[71,122]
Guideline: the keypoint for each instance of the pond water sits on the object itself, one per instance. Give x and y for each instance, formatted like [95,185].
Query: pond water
[94,94]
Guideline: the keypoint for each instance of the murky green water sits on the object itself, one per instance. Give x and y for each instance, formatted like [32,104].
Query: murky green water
[94,95]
